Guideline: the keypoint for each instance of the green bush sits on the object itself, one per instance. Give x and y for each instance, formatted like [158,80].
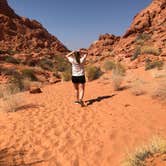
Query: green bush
[11,59]
[109,65]
[136,53]
[8,71]
[93,72]
[2,51]
[62,64]
[46,64]
[155,64]
[29,73]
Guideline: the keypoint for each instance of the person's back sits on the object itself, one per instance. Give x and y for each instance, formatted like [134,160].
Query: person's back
[78,74]
[77,67]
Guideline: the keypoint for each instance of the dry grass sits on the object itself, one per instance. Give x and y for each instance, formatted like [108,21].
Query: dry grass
[117,76]
[109,65]
[137,87]
[160,91]
[66,75]
[10,101]
[150,50]
[156,146]
[93,72]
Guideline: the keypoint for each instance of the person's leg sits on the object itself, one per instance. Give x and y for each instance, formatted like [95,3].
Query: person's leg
[76,91]
[81,91]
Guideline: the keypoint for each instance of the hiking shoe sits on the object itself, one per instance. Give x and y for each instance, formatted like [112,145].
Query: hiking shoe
[82,103]
[77,102]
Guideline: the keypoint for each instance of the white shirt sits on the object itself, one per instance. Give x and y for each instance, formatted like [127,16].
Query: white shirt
[77,69]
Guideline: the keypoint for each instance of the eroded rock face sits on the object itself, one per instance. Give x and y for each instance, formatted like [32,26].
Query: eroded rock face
[152,16]
[20,33]
[104,44]
[147,29]
[6,10]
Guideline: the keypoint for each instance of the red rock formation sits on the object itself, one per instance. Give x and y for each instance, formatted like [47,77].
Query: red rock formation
[23,34]
[6,10]
[26,40]
[150,23]
[104,44]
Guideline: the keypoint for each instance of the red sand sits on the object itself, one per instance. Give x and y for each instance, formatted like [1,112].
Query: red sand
[55,131]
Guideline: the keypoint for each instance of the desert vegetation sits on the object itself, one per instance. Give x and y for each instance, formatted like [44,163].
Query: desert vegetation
[93,72]
[11,100]
[137,87]
[149,64]
[118,74]
[109,65]
[159,92]
[138,158]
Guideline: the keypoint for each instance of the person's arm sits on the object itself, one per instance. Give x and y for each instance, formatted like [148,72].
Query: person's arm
[68,55]
[83,58]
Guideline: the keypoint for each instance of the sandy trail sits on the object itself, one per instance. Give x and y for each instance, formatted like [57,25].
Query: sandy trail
[53,131]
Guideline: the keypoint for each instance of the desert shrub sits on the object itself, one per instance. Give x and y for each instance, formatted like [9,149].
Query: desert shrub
[109,65]
[156,146]
[62,64]
[9,51]
[29,73]
[66,75]
[117,76]
[137,87]
[153,64]
[160,91]
[120,69]
[10,100]
[136,54]
[46,64]
[30,62]
[2,51]
[93,72]
[17,80]
[143,36]
[8,71]
[150,50]
[11,59]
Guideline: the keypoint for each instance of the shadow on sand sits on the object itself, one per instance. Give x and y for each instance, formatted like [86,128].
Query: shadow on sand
[98,99]
[12,157]
[28,106]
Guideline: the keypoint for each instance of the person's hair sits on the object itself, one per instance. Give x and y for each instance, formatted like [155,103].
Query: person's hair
[77,56]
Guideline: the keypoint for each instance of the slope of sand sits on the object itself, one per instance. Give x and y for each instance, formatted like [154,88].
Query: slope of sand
[52,131]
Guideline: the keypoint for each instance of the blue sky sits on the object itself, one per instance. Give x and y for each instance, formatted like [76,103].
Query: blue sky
[78,23]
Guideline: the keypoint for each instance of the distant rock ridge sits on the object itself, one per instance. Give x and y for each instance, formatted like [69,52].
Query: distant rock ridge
[148,29]
[23,34]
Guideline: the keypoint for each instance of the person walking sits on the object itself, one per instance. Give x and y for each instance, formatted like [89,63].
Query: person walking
[78,74]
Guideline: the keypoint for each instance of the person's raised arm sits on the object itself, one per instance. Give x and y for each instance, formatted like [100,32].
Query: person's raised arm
[69,54]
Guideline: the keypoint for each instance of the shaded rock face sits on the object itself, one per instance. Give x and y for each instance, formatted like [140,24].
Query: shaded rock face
[6,10]
[19,33]
[147,29]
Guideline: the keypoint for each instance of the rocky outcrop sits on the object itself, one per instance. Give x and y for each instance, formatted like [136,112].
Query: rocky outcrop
[27,43]
[151,17]
[103,45]
[148,30]
[6,10]
[23,34]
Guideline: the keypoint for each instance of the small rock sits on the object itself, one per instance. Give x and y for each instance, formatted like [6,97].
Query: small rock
[35,90]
